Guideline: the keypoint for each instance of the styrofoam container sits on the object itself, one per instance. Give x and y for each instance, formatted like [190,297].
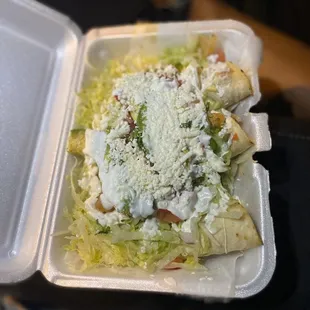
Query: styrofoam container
[44,60]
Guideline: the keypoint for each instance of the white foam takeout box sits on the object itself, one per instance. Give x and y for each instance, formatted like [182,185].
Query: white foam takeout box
[44,60]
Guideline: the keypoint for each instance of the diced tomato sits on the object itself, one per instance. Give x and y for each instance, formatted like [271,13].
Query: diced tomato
[116,98]
[235,137]
[100,207]
[221,55]
[171,267]
[167,216]
[178,260]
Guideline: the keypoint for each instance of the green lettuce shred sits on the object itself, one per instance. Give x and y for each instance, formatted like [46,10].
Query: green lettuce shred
[122,245]
[182,56]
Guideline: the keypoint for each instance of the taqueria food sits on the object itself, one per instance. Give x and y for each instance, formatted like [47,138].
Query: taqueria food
[156,147]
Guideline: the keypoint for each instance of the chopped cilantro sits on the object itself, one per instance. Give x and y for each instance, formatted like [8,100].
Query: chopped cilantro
[126,208]
[108,129]
[107,154]
[199,181]
[138,131]
[227,157]
[215,146]
[141,117]
[102,229]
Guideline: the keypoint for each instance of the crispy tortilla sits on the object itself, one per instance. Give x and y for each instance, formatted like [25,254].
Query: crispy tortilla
[228,87]
[241,142]
[234,231]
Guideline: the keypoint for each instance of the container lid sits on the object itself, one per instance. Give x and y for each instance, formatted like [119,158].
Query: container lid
[38,48]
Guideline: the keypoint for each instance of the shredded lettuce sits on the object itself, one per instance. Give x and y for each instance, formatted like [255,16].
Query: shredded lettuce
[78,197]
[122,248]
[182,56]
[123,245]
[211,104]
[95,97]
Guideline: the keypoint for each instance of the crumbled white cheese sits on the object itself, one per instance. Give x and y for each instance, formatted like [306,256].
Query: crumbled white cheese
[117,92]
[142,206]
[213,58]
[150,227]
[227,125]
[166,71]
[100,121]
[107,219]
[120,131]
[88,160]
[182,206]
[90,181]
[204,140]
[91,184]
[171,135]
[115,186]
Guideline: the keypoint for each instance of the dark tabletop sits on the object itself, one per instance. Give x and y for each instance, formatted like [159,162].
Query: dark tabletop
[289,166]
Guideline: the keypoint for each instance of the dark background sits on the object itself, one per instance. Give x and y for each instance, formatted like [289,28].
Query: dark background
[286,15]
[290,16]
[288,163]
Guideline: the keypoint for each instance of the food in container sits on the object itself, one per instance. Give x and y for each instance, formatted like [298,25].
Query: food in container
[38,117]
[156,147]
